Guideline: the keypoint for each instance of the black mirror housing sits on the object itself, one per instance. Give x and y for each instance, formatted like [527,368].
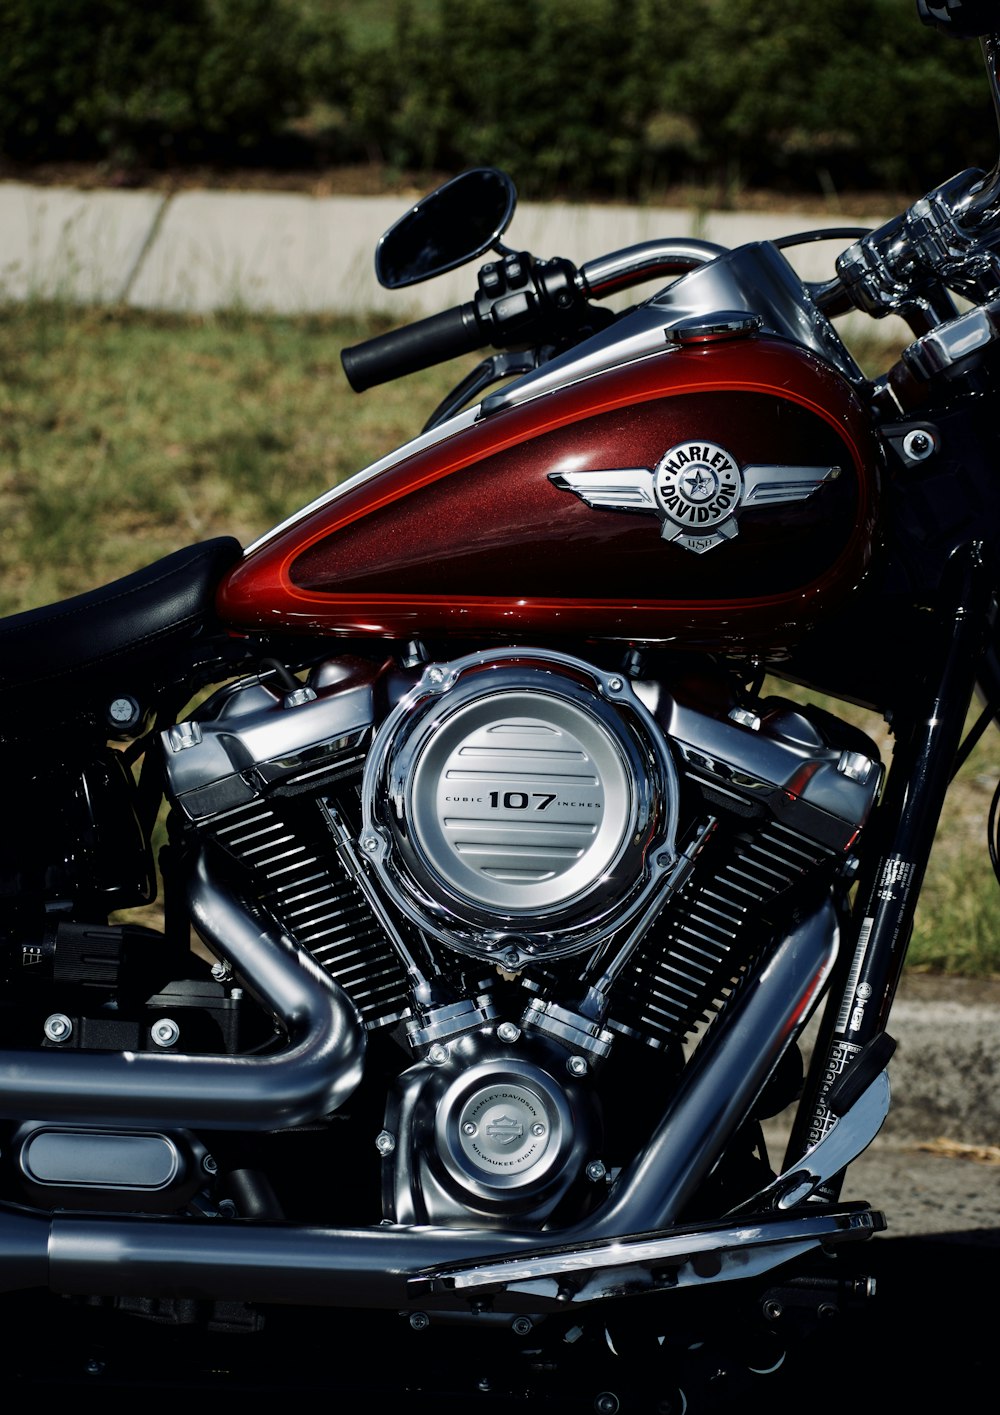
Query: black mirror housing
[450,226]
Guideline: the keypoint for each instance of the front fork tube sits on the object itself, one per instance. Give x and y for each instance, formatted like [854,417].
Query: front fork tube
[865,980]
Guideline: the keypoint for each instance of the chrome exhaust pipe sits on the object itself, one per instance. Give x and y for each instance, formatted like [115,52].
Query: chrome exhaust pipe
[722,1081]
[373,1267]
[311,1075]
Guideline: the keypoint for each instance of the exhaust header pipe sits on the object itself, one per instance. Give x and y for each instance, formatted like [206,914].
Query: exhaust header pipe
[313,1074]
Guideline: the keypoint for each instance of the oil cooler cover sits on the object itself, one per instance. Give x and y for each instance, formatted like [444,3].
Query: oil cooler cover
[519,804]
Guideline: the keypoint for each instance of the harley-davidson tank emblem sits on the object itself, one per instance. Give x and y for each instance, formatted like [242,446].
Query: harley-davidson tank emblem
[697,489]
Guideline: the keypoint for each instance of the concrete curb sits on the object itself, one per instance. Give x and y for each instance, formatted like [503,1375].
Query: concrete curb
[270,252]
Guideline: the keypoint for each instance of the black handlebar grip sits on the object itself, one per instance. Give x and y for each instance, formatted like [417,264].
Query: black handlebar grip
[415,346]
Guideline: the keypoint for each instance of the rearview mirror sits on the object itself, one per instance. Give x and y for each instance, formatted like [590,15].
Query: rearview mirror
[451,225]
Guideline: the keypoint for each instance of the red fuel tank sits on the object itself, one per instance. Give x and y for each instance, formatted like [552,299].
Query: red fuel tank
[721,495]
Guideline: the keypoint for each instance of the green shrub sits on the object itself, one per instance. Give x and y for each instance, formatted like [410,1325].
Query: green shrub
[108,78]
[571,96]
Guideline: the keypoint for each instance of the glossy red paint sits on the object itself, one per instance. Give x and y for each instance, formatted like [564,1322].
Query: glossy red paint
[470,536]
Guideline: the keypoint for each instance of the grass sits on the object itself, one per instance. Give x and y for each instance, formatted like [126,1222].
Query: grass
[124,436]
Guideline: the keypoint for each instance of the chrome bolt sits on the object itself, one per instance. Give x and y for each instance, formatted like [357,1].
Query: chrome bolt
[511,957]
[577,1066]
[508,1032]
[94,1366]
[221,972]
[435,674]
[855,766]
[437,1055]
[918,445]
[827,1309]
[183,735]
[483,1384]
[521,1326]
[745,718]
[165,1032]
[298,696]
[227,1209]
[209,1164]
[596,1171]
[615,684]
[58,1027]
[419,1321]
[385,1143]
[607,1403]
[469,1128]
[369,843]
[538,1129]
[772,1309]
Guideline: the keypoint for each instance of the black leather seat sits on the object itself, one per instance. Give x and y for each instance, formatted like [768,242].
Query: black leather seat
[124,625]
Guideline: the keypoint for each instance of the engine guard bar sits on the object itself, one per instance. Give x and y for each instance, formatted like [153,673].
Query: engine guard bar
[277,1262]
[311,1075]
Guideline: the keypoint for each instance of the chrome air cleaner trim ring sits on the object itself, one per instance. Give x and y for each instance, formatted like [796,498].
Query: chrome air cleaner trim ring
[519,799]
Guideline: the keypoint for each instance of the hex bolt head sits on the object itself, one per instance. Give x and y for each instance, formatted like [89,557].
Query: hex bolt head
[164,1032]
[577,1066]
[508,1032]
[521,1326]
[596,1171]
[58,1027]
[469,1128]
[538,1130]
[437,1055]
[385,1143]
[615,684]
[772,1309]
[419,1321]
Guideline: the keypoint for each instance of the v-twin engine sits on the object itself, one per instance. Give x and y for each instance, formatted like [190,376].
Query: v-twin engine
[528,870]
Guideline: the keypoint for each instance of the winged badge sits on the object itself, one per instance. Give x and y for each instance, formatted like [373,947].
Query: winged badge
[697,489]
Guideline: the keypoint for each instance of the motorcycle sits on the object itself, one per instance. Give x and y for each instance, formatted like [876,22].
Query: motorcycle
[498,888]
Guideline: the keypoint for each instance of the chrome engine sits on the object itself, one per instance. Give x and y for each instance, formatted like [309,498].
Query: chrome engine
[517,864]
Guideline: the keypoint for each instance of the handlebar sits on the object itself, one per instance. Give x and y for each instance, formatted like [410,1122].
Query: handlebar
[415,346]
[521,301]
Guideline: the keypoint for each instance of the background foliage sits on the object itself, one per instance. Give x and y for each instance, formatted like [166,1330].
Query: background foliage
[571,96]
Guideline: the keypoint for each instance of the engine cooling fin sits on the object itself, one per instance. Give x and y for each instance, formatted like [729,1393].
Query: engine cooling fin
[301,882]
[686,971]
